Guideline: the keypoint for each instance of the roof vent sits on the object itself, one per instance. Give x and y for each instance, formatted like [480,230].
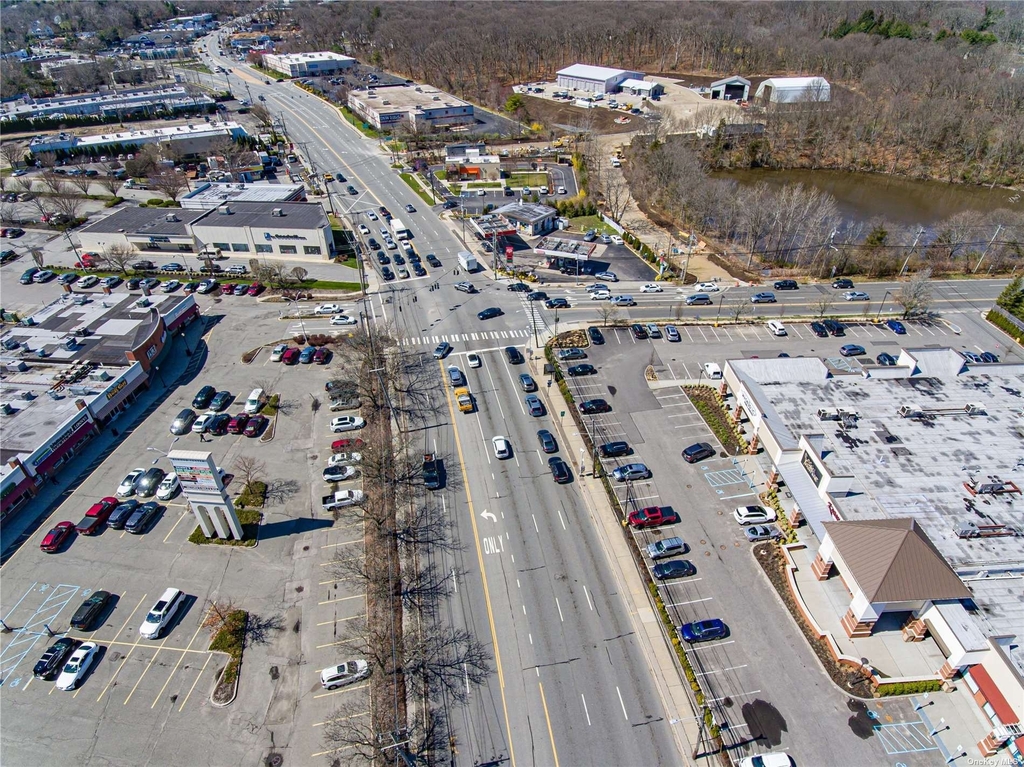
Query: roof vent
[277,212]
[170,218]
[224,210]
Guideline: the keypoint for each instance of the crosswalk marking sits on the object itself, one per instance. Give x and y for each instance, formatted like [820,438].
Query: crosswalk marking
[463,337]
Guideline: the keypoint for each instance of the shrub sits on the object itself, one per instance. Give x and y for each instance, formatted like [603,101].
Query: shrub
[909,688]
[1005,325]
[271,408]
[156,202]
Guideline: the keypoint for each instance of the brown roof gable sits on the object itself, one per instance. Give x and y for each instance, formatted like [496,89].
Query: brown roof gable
[892,560]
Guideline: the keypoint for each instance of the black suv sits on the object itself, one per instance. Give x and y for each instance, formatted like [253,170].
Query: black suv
[842,284]
[202,399]
[786,285]
[90,610]
[834,328]
[515,357]
[819,330]
[639,331]
[591,406]
[596,336]
[698,452]
[614,449]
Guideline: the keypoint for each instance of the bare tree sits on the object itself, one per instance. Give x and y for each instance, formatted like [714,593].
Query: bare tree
[349,729]
[38,257]
[53,182]
[118,257]
[263,116]
[737,309]
[109,182]
[616,195]
[299,273]
[80,181]
[67,203]
[13,154]
[45,159]
[217,614]
[824,304]
[915,295]
[144,164]
[169,182]
[608,313]
[250,470]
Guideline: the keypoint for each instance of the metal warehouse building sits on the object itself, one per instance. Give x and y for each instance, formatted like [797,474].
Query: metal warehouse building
[584,77]
[789,90]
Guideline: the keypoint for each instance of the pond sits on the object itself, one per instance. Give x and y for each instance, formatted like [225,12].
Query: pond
[863,196]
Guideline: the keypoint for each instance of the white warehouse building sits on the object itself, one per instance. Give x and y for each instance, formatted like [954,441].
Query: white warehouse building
[790,90]
[585,77]
[308,64]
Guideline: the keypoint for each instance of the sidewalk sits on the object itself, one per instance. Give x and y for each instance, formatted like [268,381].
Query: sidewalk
[33,516]
[646,623]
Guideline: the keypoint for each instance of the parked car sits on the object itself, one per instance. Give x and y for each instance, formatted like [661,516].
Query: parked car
[653,516]
[885,359]
[581,370]
[653,330]
[339,473]
[639,331]
[819,330]
[595,335]
[572,353]
[120,515]
[256,425]
[92,608]
[703,631]
[753,515]
[48,666]
[757,533]
[77,666]
[127,486]
[203,397]
[344,674]
[57,537]
[896,327]
[347,423]
[146,486]
[852,350]
[666,547]
[96,516]
[143,517]
[630,472]
[169,487]
[237,424]
[698,452]
[834,328]
[321,356]
[220,401]
[674,568]
[291,356]
[592,406]
[614,449]
[218,425]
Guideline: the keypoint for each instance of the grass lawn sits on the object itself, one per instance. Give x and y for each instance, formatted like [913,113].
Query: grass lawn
[583,223]
[415,186]
[441,175]
[484,185]
[357,122]
[528,179]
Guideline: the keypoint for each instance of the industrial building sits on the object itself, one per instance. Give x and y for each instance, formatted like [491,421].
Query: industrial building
[108,103]
[308,64]
[187,139]
[790,90]
[909,478]
[214,194]
[422,107]
[585,77]
[81,362]
[645,88]
[733,88]
[279,230]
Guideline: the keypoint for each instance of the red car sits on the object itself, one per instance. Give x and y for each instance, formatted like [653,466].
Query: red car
[227,289]
[653,516]
[321,355]
[96,516]
[349,443]
[56,537]
[291,357]
[255,289]
[237,424]
[256,425]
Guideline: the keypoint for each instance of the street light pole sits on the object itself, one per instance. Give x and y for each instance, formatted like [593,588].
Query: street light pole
[882,305]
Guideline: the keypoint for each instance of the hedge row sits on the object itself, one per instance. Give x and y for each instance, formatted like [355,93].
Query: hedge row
[716,419]
[908,688]
[231,639]
[1005,325]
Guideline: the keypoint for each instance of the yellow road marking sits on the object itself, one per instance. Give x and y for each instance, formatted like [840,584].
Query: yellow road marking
[115,633]
[144,672]
[551,735]
[180,659]
[180,517]
[343,543]
[483,569]
[343,689]
[340,718]
[209,657]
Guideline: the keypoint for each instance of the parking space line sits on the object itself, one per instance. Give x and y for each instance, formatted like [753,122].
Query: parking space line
[146,671]
[117,633]
[712,646]
[342,718]
[332,751]
[343,543]
[336,620]
[719,670]
[209,657]
[338,692]
[691,602]
[341,599]
[180,659]
[176,523]
[735,695]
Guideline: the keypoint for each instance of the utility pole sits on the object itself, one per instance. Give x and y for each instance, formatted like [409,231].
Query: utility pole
[920,231]
[985,252]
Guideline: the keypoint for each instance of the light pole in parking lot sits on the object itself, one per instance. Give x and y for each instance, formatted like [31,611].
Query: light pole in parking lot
[162,452]
[882,305]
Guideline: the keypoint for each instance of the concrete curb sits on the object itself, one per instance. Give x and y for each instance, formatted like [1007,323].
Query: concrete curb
[216,684]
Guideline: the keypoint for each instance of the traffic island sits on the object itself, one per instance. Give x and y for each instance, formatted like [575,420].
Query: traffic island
[250,520]
[230,639]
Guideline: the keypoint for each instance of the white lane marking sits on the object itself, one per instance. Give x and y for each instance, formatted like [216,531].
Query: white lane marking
[716,700]
[587,592]
[711,646]
[718,670]
[535,524]
[621,703]
[691,602]
[561,520]
[585,711]
[559,606]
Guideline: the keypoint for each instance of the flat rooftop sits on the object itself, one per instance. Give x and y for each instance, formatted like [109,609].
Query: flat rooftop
[305,58]
[408,97]
[213,194]
[296,215]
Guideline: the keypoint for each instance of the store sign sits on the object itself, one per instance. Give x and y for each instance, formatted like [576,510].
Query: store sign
[811,468]
[112,392]
[196,474]
[269,236]
[61,438]
[508,254]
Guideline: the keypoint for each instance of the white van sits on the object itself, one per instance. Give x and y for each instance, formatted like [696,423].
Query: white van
[776,328]
[161,614]
[712,371]
[255,402]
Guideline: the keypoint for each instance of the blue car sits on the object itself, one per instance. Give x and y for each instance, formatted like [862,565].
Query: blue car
[306,357]
[896,327]
[703,631]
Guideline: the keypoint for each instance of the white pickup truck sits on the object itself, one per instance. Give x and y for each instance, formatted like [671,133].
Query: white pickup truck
[341,499]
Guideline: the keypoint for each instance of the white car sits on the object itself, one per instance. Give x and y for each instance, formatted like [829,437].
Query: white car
[341,473]
[77,666]
[502,447]
[561,190]
[616,240]
[706,287]
[391,245]
[610,276]
[650,287]
[328,309]
[600,295]
[206,286]
[344,673]
[88,281]
[344,459]
[474,360]
[371,215]
[623,301]
[342,319]
[856,295]
[347,423]
[170,287]
[110,282]
[753,515]
[202,422]
[127,486]
[767,760]
[278,352]
[363,229]
[169,487]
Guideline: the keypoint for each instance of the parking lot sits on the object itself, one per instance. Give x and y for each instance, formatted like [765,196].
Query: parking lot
[761,678]
[152,697]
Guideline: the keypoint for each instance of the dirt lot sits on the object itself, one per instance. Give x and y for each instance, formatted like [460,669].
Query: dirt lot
[562,115]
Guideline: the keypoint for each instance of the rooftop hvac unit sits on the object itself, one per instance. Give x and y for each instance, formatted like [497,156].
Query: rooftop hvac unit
[224,210]
[170,218]
[26,395]
[79,391]
[974,410]
[277,212]
[99,375]
[6,409]
[17,366]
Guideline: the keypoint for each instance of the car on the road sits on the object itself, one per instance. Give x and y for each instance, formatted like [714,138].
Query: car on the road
[896,327]
[443,350]
[547,441]
[169,487]
[456,377]
[387,274]
[699,299]
[885,359]
[489,313]
[57,536]
[536,295]
[559,470]
[146,486]
[706,287]
[630,472]
[77,666]
[339,473]
[473,359]
[856,295]
[343,319]
[852,350]
[351,189]
[593,406]
[502,447]
[465,287]
[581,370]
[698,452]
[120,515]
[344,674]
[403,273]
[652,516]
[53,659]
[596,287]
[572,353]
[533,405]
[785,285]
[651,287]
[623,300]
[753,515]
[434,261]
[610,276]
[347,423]
[328,309]
[91,609]
[764,297]
[127,486]
[842,283]
[703,631]
[674,568]
[819,330]
[595,335]
[410,209]
[557,303]
[514,356]
[834,327]
[363,229]
[639,331]
[220,401]
[672,334]
[142,518]
[382,258]
[174,266]
[256,426]
[526,382]
[600,295]
[757,533]
[614,449]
